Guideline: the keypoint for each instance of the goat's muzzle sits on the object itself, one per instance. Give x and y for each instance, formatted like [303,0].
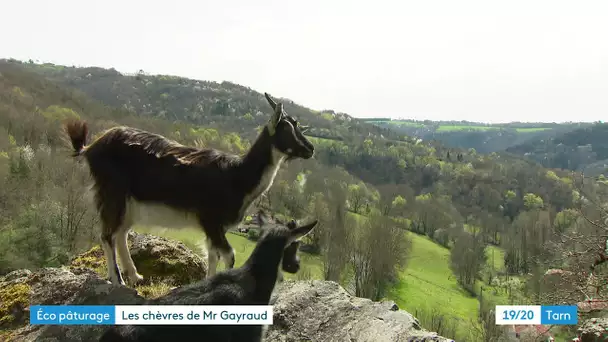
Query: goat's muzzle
[308,155]
[291,268]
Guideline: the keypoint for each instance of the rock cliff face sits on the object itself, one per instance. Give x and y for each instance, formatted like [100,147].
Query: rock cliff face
[303,310]
[593,330]
[324,311]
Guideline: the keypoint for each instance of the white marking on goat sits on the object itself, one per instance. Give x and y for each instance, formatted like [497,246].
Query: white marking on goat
[267,179]
[122,248]
[159,215]
[111,261]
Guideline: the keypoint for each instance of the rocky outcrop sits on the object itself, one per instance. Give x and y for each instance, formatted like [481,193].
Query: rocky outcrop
[311,311]
[48,286]
[157,259]
[593,330]
[303,310]
[324,311]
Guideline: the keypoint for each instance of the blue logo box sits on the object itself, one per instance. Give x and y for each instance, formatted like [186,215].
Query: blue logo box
[72,314]
[559,314]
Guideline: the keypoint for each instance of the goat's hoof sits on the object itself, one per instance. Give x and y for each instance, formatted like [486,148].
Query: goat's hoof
[135,279]
[116,283]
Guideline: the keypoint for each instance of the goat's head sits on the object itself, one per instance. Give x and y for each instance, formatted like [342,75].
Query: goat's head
[287,134]
[290,235]
[291,261]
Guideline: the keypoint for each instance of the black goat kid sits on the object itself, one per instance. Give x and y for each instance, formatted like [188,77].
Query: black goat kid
[250,284]
[144,178]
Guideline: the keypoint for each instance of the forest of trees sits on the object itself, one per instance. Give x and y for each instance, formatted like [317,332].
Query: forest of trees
[367,185]
[584,149]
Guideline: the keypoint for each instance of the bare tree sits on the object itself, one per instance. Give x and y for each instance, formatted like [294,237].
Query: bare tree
[336,236]
[576,256]
[379,249]
[468,258]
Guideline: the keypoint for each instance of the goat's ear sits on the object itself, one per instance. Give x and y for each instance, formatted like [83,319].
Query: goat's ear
[302,231]
[270,101]
[276,117]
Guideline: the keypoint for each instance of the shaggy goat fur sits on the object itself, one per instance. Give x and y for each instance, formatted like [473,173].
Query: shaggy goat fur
[251,284]
[144,178]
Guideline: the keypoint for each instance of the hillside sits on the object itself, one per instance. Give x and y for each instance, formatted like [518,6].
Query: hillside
[223,105]
[484,138]
[462,200]
[584,149]
[377,156]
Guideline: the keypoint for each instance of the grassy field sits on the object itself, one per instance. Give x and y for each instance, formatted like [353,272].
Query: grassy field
[452,128]
[397,123]
[405,123]
[532,129]
[496,258]
[318,141]
[427,284]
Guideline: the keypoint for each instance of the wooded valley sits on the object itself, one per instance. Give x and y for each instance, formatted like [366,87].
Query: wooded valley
[445,229]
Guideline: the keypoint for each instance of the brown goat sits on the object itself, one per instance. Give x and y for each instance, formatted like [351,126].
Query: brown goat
[144,178]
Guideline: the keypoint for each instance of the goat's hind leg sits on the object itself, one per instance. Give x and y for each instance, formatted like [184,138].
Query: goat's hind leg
[112,206]
[108,243]
[126,261]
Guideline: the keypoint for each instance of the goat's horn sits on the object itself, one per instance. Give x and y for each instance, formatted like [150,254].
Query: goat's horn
[270,101]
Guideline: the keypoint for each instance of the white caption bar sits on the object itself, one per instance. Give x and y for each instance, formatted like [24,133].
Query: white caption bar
[518,314]
[193,314]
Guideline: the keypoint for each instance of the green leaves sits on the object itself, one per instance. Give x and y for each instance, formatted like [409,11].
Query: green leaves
[533,201]
[58,113]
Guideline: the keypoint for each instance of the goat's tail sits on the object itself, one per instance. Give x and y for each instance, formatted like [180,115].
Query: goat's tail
[77,132]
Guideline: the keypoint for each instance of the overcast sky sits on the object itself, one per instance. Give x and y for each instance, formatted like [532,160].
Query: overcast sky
[488,61]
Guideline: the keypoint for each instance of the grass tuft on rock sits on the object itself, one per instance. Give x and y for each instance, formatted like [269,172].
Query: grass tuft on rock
[154,290]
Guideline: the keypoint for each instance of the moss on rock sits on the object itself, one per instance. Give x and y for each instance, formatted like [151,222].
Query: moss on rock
[92,259]
[14,302]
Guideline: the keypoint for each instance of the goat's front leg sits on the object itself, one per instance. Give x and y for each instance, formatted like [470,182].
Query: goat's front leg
[212,258]
[227,252]
[218,247]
